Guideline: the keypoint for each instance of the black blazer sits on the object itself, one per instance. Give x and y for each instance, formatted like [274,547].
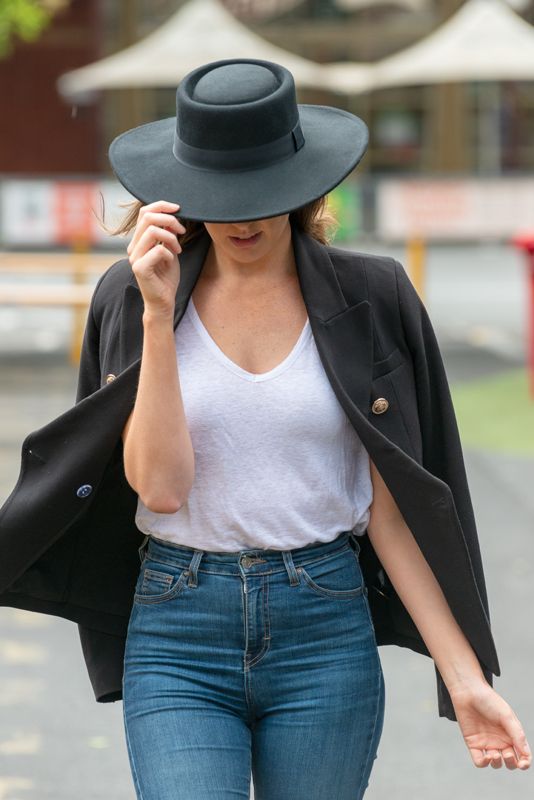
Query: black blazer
[68,539]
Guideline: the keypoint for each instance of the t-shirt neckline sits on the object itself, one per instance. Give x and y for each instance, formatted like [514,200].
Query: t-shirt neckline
[235,368]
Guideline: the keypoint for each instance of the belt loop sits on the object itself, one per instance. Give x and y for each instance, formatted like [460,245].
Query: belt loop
[353,541]
[142,547]
[290,567]
[193,566]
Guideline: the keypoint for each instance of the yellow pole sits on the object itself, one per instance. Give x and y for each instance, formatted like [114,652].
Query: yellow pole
[80,248]
[416,249]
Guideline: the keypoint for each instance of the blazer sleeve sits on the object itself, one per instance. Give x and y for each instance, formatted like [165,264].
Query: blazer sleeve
[89,368]
[442,449]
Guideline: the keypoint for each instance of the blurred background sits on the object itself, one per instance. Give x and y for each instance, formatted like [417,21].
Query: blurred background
[446,186]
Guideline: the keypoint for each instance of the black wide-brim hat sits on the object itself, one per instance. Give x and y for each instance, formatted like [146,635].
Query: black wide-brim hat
[240,146]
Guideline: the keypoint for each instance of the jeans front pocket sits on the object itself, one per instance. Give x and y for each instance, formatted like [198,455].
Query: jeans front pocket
[159,585]
[338,577]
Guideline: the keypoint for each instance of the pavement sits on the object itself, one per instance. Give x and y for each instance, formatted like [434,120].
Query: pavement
[57,743]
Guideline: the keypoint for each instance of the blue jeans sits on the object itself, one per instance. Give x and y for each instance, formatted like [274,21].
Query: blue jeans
[254,661]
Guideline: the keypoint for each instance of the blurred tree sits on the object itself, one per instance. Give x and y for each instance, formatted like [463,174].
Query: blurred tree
[26,19]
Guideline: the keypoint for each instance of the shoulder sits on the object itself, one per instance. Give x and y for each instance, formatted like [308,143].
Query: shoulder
[110,286]
[378,271]
[342,254]
[114,278]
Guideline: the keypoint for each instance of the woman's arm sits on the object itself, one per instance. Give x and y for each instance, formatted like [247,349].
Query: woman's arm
[419,589]
[158,452]
[490,727]
[159,460]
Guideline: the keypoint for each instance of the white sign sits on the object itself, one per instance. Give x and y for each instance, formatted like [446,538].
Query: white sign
[58,212]
[454,208]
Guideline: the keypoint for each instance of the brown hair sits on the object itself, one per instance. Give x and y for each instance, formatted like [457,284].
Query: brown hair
[314,218]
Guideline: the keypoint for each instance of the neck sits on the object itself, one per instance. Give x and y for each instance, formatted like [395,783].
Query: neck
[270,269]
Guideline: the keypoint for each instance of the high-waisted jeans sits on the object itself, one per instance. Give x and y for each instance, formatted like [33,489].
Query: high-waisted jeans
[254,661]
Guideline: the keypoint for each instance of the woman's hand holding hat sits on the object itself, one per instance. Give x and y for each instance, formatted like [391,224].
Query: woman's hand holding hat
[153,254]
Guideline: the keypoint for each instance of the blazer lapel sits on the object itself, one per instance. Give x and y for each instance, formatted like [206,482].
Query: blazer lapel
[342,331]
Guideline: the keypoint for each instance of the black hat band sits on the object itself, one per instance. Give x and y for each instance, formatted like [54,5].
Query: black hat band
[244,158]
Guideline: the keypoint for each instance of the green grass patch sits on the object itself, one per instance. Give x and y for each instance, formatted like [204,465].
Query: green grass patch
[496,413]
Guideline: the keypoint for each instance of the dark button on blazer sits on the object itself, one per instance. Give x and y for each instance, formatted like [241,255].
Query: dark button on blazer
[68,539]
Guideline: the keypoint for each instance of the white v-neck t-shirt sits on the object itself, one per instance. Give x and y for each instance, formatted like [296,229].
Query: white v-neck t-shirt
[277,462]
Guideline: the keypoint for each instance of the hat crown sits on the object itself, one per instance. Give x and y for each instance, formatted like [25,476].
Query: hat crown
[235,83]
[235,104]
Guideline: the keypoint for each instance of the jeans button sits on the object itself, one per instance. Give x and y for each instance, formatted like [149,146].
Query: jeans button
[248,560]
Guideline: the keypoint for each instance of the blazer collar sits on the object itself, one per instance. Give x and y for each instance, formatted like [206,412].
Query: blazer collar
[342,330]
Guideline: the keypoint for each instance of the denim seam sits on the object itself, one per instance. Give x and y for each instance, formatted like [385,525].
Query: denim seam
[248,695]
[147,599]
[367,608]
[259,656]
[132,762]
[372,736]
[266,637]
[155,574]
[267,618]
[334,594]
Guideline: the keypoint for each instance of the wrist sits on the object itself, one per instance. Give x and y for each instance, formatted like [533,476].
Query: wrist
[154,318]
[458,663]
[465,682]
[465,693]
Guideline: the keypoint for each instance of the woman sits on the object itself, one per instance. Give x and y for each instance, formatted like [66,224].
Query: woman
[270,495]
[227,667]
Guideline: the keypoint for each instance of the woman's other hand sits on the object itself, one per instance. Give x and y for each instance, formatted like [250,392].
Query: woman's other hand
[491,730]
[153,253]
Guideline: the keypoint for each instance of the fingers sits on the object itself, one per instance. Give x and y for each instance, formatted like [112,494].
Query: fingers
[495,758]
[155,243]
[152,223]
[517,735]
[157,219]
[490,756]
[512,758]
[481,758]
[159,208]
[152,236]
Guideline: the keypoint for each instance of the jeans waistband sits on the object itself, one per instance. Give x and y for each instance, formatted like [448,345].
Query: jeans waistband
[254,561]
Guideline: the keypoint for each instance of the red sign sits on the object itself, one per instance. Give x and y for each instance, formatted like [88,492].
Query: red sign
[73,211]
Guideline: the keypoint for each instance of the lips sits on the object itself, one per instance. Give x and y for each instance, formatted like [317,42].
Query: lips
[247,242]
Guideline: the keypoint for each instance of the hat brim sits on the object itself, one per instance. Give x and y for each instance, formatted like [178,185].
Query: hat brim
[143,161]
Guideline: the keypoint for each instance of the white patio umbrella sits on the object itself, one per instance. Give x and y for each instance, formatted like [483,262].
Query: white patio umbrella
[262,9]
[484,41]
[356,5]
[348,77]
[199,32]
